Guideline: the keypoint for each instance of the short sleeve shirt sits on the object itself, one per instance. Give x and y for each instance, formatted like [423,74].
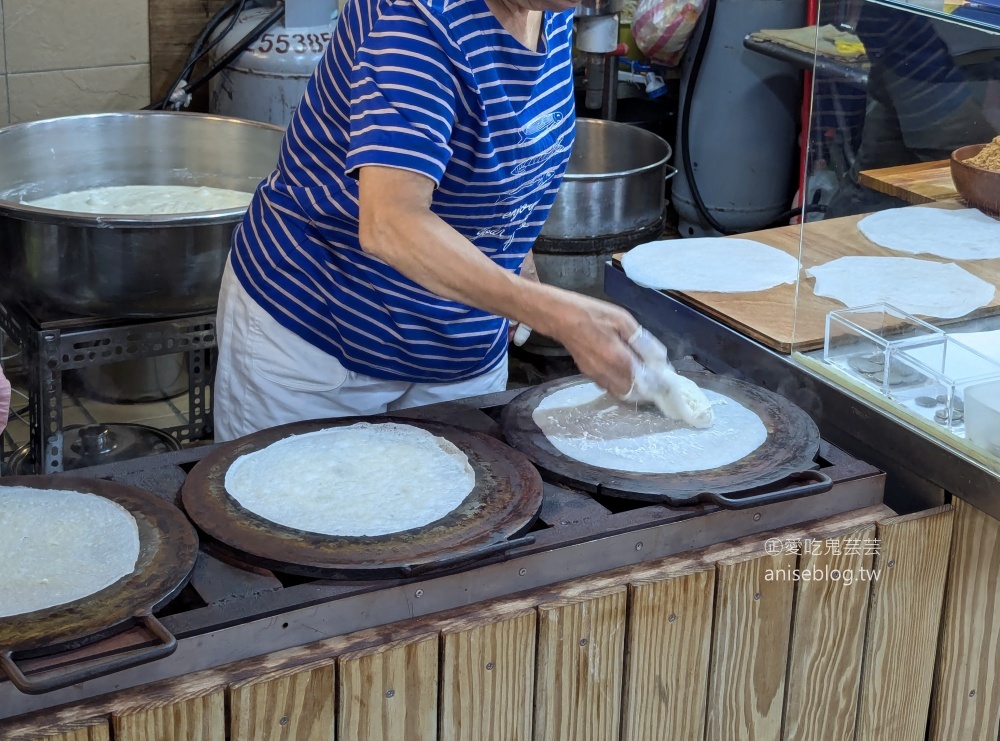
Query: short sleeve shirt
[437,87]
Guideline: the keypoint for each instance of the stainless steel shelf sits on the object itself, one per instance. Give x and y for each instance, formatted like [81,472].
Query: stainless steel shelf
[54,346]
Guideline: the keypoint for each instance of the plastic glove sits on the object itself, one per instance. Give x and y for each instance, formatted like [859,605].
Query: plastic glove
[519,333]
[655,380]
[649,362]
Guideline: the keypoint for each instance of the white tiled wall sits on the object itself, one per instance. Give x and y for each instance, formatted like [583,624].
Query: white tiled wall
[63,57]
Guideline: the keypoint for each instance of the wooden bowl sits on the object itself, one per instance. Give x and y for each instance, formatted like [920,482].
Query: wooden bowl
[980,188]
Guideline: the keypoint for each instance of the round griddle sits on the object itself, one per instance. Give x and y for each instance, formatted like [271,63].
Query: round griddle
[504,504]
[168,547]
[783,467]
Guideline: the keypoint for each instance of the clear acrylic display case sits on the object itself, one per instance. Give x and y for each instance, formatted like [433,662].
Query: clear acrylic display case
[932,380]
[925,371]
[864,342]
[882,131]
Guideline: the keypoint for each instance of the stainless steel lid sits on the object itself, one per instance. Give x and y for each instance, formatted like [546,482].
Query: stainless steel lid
[91,445]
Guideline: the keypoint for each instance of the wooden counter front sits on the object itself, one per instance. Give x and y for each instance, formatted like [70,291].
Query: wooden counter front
[712,645]
[701,646]
[772,318]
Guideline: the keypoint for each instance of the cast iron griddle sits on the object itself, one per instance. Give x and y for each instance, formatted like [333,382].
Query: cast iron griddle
[168,547]
[504,504]
[783,467]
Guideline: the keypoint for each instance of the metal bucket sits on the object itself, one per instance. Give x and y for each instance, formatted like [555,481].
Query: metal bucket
[615,182]
[123,266]
[612,198]
[138,380]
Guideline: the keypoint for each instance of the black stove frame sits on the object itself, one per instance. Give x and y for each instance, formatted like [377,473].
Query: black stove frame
[228,613]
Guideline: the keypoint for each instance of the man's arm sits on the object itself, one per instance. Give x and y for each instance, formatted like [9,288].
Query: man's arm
[528,269]
[518,333]
[398,227]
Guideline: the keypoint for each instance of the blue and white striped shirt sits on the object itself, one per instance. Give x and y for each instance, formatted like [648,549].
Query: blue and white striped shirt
[437,87]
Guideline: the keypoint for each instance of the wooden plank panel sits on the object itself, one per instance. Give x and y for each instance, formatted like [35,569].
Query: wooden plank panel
[828,638]
[488,676]
[966,698]
[97,732]
[749,648]
[201,718]
[903,620]
[667,654]
[772,317]
[579,679]
[292,707]
[174,26]
[923,182]
[301,658]
[389,693]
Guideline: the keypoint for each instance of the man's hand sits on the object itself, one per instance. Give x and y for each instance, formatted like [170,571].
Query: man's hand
[596,334]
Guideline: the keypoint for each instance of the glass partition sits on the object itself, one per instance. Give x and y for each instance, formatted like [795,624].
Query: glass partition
[898,299]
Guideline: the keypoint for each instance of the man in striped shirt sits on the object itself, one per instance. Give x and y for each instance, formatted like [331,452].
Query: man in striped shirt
[918,106]
[378,266]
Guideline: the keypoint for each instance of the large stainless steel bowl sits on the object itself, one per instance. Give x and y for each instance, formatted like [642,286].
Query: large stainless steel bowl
[123,266]
[614,183]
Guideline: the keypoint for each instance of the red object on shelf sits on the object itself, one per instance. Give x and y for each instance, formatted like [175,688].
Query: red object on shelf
[812,19]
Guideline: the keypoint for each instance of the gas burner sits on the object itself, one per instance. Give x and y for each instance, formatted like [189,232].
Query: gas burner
[577,534]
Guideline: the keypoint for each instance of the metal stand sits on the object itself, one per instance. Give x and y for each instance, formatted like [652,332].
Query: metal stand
[52,346]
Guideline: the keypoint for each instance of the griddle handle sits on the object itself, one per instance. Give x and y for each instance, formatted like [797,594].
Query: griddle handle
[58,679]
[817,483]
[500,547]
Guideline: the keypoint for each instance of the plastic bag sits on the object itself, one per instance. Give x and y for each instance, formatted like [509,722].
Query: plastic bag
[4,400]
[662,28]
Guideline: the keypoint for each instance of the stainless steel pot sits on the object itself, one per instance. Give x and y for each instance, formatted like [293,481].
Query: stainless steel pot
[96,444]
[611,199]
[123,266]
[614,183]
[137,380]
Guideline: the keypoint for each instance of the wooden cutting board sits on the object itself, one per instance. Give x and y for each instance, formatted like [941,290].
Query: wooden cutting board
[924,182]
[770,317]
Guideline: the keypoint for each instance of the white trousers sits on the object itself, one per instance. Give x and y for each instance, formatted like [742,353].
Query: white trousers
[268,376]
